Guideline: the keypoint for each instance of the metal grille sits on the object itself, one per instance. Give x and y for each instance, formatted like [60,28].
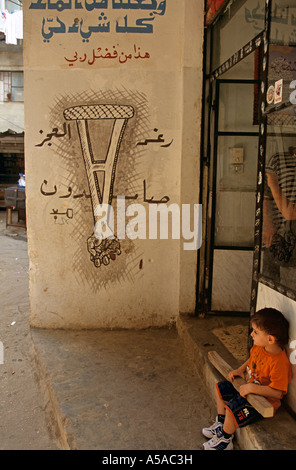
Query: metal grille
[99,111]
[281,119]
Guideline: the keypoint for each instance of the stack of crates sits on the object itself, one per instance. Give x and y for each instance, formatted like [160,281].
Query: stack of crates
[15,199]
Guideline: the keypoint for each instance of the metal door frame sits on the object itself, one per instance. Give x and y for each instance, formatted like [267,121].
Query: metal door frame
[261,42]
[217,134]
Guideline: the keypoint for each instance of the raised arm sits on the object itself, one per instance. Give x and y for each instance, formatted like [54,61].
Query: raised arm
[287,208]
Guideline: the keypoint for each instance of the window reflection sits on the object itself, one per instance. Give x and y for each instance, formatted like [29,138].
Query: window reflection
[242,22]
[279,205]
[283,22]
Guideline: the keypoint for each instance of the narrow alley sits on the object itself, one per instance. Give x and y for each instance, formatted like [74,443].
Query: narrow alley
[124,390]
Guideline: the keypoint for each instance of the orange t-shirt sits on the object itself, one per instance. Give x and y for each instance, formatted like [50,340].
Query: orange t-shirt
[269,369]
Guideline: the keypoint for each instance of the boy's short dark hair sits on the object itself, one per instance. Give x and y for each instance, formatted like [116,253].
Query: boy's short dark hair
[273,323]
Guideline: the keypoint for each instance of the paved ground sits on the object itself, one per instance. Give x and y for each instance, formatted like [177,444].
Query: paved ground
[22,416]
[124,390]
[107,390]
[90,390]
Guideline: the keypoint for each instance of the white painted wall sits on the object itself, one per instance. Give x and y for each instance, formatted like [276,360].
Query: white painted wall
[151,280]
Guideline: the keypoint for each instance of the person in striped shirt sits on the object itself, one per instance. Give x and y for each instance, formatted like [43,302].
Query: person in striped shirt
[279,214]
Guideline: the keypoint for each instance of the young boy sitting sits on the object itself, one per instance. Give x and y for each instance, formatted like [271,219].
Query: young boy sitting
[267,372]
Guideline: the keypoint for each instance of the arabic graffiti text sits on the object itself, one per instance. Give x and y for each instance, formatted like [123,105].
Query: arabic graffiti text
[114,53]
[148,10]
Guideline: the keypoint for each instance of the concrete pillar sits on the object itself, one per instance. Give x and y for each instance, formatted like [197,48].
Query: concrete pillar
[112,121]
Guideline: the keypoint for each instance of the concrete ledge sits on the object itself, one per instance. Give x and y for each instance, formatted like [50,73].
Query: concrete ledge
[277,433]
[120,389]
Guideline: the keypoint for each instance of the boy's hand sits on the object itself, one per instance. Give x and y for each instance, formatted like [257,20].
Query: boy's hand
[267,235]
[235,373]
[245,389]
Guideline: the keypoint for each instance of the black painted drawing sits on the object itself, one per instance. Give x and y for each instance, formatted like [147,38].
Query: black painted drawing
[90,146]
[101,147]
[100,168]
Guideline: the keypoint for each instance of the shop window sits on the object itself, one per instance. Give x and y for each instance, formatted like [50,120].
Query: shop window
[278,257]
[11,86]
[237,149]
[279,205]
[243,20]
[11,165]
[283,27]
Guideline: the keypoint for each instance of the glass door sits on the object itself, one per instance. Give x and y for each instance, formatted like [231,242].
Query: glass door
[233,190]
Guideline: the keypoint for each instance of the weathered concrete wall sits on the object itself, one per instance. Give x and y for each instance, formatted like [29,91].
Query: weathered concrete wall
[12,116]
[191,124]
[143,60]
[11,57]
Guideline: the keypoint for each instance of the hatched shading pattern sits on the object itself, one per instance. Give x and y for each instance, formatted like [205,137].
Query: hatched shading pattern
[99,111]
[129,172]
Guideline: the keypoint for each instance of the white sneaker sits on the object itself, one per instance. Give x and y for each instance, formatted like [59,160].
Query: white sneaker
[212,430]
[218,442]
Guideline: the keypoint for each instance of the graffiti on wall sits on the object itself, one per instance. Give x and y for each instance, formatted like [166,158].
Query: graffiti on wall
[283,21]
[101,171]
[118,16]
[115,54]
[100,147]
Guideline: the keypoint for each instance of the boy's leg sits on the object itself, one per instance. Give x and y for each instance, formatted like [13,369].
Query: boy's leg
[223,434]
[229,425]
[228,391]
[238,411]
[220,403]
[221,437]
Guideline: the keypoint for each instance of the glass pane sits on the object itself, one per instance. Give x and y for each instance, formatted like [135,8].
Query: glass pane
[7,86]
[236,190]
[243,21]
[281,74]
[245,69]
[232,98]
[17,94]
[17,79]
[283,22]
[279,205]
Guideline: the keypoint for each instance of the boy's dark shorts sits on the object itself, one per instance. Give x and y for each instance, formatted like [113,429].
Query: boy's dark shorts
[242,411]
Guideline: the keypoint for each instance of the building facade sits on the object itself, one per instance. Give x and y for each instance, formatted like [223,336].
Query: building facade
[160,160]
[248,161]
[11,96]
[113,99]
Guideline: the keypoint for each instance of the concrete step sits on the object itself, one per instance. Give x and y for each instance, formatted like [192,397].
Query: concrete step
[276,433]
